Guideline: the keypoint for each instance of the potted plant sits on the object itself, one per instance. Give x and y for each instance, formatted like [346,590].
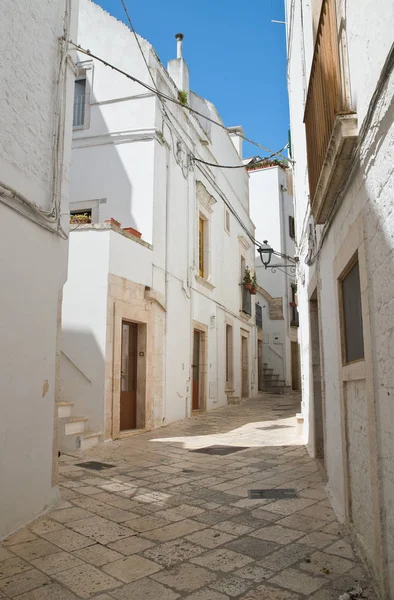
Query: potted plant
[80,218]
[254,285]
[293,304]
[247,280]
[112,221]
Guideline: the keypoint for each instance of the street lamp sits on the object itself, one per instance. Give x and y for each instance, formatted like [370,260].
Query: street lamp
[265,252]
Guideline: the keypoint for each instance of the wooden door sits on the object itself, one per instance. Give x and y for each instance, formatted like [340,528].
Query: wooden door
[128,393]
[196,370]
[295,366]
[245,366]
[260,364]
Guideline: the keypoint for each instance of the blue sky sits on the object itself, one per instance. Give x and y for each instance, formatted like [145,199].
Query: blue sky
[236,57]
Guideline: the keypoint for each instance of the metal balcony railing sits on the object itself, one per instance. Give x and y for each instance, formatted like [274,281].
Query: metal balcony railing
[326,97]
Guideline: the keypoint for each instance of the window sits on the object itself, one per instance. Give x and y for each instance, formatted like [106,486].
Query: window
[352,316]
[201,247]
[294,319]
[246,297]
[292,227]
[79,103]
[81,217]
[227,220]
[259,316]
[229,356]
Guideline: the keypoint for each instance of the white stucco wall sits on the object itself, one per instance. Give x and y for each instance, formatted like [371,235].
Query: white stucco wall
[369,195]
[35,269]
[271,205]
[131,156]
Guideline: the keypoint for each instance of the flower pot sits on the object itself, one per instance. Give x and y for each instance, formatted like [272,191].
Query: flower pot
[248,286]
[253,292]
[112,222]
[293,304]
[133,231]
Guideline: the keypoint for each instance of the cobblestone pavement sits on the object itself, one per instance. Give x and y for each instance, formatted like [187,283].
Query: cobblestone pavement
[168,522]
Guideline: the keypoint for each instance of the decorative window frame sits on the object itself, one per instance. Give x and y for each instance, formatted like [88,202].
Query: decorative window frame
[205,204]
[85,70]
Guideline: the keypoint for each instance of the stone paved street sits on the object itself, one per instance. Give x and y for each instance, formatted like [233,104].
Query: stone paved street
[167,522]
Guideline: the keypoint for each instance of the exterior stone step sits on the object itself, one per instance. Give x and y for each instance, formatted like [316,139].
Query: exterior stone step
[64,409]
[75,425]
[88,439]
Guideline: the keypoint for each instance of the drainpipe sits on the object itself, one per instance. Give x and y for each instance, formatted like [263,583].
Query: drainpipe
[286,308]
[166,286]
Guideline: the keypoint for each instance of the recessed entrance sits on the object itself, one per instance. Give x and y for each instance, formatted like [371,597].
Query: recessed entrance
[128,376]
[196,370]
[318,408]
[245,366]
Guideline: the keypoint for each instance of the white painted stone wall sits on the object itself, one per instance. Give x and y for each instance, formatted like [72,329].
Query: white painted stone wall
[34,265]
[271,205]
[370,194]
[131,158]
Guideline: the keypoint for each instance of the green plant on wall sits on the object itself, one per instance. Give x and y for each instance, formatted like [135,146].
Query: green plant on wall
[182,97]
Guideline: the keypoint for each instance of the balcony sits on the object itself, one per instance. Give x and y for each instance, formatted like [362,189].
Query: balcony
[330,124]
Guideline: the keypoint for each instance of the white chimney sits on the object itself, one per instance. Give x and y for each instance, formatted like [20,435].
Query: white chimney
[235,133]
[177,67]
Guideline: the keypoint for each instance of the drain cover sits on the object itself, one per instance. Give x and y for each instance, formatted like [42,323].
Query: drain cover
[219,450]
[274,494]
[95,466]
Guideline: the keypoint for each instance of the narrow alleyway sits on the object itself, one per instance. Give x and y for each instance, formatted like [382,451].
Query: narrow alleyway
[166,520]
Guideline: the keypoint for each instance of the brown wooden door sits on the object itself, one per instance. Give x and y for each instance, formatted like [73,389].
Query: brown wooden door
[260,364]
[128,393]
[295,366]
[196,370]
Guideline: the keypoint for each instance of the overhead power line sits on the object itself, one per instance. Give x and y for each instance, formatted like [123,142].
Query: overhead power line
[155,91]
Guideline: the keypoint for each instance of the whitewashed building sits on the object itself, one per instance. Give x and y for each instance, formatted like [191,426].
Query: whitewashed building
[271,209]
[36,100]
[156,322]
[341,85]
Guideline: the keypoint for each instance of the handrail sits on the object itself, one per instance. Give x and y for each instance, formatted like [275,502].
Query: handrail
[76,366]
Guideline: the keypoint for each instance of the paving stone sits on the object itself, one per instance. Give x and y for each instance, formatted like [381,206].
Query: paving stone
[247,520]
[86,580]
[210,538]
[290,506]
[13,566]
[329,565]
[211,517]
[333,529]
[319,512]
[301,522]
[68,540]
[231,585]
[317,539]
[131,545]
[269,592]
[233,528]
[179,513]
[185,577]
[173,531]
[53,591]
[341,548]
[101,530]
[131,568]
[147,523]
[45,526]
[20,537]
[264,515]
[315,493]
[206,594]
[98,555]
[5,554]
[254,572]
[174,552]
[253,547]
[222,559]
[298,581]
[278,534]
[144,589]
[285,557]
[34,549]
[54,563]
[23,582]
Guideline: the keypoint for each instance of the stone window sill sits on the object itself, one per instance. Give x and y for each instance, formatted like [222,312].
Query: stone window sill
[204,282]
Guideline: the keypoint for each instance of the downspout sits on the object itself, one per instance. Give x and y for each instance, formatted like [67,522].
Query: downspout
[163,422]
[286,307]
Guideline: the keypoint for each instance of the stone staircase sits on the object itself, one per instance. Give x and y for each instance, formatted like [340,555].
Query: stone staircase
[73,435]
[272,383]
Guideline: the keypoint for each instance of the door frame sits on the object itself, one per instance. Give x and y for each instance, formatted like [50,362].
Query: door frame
[131,326]
[203,365]
[245,335]
[142,365]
